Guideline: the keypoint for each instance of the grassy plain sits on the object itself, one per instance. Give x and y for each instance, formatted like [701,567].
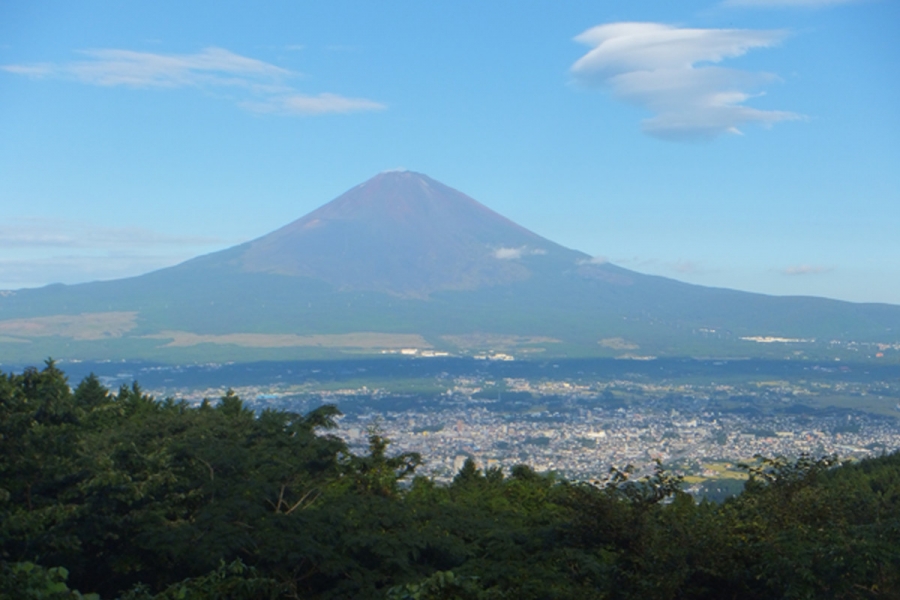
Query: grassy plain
[366,339]
[84,326]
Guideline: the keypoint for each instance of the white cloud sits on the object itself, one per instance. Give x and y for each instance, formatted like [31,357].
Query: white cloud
[263,86]
[667,70]
[508,253]
[35,71]
[786,3]
[38,251]
[517,253]
[679,266]
[212,66]
[300,104]
[54,233]
[805,270]
[78,268]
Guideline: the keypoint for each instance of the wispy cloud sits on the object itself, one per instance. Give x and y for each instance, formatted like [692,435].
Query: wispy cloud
[669,71]
[262,87]
[805,270]
[517,253]
[687,266]
[53,233]
[37,251]
[300,104]
[18,273]
[787,3]
[212,66]
[508,253]
[680,266]
[36,70]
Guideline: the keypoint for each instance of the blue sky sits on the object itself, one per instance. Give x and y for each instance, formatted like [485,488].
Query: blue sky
[750,144]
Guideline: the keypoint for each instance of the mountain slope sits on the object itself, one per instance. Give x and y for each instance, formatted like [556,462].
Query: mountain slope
[401,233]
[402,260]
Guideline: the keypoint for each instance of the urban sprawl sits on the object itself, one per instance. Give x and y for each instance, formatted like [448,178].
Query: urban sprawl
[580,429]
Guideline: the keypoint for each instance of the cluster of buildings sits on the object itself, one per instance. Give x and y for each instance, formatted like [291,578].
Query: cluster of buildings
[580,428]
[585,443]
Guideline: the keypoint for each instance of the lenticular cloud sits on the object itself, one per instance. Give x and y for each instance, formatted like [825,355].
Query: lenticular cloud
[672,72]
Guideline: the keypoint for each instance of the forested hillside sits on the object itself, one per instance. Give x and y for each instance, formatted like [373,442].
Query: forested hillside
[120,495]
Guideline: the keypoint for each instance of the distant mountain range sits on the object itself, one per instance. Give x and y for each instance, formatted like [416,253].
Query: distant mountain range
[403,263]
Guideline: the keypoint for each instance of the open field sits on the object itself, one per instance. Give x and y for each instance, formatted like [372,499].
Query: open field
[617,343]
[724,471]
[496,341]
[86,326]
[871,403]
[366,340]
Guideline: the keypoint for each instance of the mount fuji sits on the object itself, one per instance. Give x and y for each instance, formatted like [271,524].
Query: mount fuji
[404,263]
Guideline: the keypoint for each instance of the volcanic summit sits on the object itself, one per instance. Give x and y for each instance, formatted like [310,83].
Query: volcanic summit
[401,233]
